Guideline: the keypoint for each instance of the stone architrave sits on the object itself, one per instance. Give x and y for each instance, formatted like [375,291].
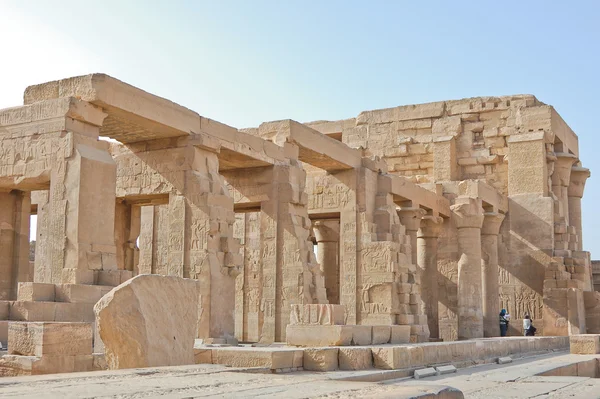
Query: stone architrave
[149,321]
[467,214]
[427,243]
[575,193]
[489,272]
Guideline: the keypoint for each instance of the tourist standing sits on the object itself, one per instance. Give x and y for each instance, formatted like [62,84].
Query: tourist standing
[528,328]
[503,323]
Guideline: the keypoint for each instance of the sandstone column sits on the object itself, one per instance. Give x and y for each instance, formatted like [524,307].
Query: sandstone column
[467,214]
[127,231]
[411,220]
[489,272]
[427,243]
[327,234]
[575,192]
[7,244]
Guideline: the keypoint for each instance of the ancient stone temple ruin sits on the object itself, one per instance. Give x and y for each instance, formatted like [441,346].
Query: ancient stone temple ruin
[422,221]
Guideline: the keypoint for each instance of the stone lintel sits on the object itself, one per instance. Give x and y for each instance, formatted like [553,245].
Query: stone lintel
[323,151]
[490,197]
[405,190]
[153,117]
[68,107]
[579,176]
[564,133]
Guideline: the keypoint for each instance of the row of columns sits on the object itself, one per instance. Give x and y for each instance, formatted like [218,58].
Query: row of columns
[478,288]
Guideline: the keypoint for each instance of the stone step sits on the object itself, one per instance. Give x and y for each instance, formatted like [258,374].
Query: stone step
[17,365]
[84,293]
[51,311]
[387,357]
[36,292]
[347,335]
[113,278]
[81,293]
[49,338]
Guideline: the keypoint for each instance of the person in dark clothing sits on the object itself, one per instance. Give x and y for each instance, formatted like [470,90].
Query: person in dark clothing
[528,327]
[503,323]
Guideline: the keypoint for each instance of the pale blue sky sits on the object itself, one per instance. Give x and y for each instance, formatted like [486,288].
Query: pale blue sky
[245,62]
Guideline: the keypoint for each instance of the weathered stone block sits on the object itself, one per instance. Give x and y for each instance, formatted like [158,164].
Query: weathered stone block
[49,338]
[362,335]
[320,314]
[317,335]
[273,358]
[150,320]
[35,292]
[381,335]
[427,372]
[585,344]
[80,293]
[321,359]
[355,358]
[504,360]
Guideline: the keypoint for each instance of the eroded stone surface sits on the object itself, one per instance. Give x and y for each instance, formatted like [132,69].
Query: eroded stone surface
[149,321]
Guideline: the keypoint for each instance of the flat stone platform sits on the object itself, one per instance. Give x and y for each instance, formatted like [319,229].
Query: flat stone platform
[204,381]
[553,375]
[405,357]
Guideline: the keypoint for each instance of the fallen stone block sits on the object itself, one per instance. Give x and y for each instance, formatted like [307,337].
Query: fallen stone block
[321,359]
[317,335]
[446,369]
[319,314]
[354,358]
[149,321]
[422,373]
[504,360]
[585,344]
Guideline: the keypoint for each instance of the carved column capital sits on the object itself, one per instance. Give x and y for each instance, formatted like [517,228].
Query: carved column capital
[579,176]
[467,212]
[326,230]
[430,227]
[411,217]
[562,168]
[491,223]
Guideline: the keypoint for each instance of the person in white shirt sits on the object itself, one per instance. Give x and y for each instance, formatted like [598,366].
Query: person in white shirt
[528,328]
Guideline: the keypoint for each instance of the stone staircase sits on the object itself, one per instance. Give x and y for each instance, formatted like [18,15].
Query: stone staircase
[55,311]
